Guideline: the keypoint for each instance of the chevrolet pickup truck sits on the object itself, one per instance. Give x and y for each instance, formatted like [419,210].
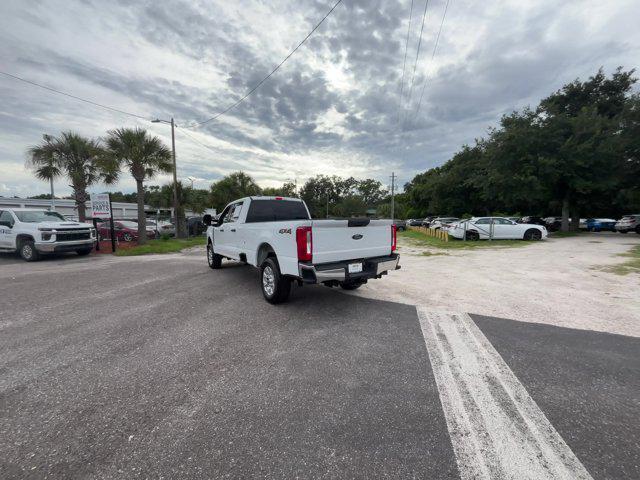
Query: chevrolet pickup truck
[32,232]
[278,236]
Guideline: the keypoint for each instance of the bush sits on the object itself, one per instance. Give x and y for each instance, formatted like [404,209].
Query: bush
[165,236]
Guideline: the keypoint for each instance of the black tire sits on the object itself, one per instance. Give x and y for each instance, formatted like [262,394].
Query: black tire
[28,251]
[472,236]
[84,251]
[213,259]
[532,234]
[275,287]
[350,286]
[623,231]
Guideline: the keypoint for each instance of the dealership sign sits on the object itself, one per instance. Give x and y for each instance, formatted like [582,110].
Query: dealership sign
[100,205]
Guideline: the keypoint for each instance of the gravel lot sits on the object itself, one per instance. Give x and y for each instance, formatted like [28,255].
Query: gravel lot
[557,281]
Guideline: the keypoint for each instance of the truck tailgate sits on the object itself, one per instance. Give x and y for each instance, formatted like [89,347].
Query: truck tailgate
[335,240]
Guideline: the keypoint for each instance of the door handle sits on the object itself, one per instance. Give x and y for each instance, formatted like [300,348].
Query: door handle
[233,229]
[221,230]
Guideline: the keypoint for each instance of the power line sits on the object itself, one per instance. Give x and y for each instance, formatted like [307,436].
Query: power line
[15,77]
[404,64]
[233,105]
[415,65]
[433,54]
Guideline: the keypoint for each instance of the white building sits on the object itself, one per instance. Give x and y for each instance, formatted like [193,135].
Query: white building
[121,210]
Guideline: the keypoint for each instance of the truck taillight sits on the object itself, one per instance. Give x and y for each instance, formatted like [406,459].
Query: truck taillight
[304,240]
[393,238]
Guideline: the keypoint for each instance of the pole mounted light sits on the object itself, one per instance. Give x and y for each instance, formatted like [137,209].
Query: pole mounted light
[176,204]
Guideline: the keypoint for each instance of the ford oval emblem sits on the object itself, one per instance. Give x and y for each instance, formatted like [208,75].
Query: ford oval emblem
[357,236]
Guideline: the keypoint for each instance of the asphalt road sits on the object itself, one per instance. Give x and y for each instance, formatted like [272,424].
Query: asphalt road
[158,367]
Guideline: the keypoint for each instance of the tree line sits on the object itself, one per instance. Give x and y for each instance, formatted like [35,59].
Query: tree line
[86,162]
[577,153]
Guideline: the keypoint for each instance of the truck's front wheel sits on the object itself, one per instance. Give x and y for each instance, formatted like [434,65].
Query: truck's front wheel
[28,251]
[213,259]
[275,287]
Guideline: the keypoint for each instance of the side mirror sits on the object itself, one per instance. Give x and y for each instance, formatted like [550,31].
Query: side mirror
[207,220]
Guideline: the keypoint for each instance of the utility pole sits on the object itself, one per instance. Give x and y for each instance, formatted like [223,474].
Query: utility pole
[327,205]
[176,204]
[393,184]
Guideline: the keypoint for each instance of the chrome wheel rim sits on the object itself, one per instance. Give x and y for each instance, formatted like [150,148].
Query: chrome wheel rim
[268,281]
[27,252]
[210,254]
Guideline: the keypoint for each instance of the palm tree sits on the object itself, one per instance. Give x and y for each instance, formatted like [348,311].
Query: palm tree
[79,159]
[144,156]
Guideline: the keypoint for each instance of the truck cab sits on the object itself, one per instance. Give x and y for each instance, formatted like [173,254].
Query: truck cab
[34,232]
[278,236]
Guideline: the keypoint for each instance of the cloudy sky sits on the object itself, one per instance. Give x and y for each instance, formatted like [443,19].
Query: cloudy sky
[334,108]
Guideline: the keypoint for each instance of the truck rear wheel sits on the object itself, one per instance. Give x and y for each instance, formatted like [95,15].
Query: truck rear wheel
[28,251]
[275,287]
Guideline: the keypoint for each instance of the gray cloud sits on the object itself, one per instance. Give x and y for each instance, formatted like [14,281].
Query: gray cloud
[333,108]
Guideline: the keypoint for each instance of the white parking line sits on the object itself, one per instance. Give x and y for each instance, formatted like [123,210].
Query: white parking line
[497,430]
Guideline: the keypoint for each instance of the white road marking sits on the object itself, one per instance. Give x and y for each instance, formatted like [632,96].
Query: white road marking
[496,428]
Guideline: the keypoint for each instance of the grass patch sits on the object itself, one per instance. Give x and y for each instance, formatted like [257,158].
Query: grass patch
[630,266]
[170,245]
[421,239]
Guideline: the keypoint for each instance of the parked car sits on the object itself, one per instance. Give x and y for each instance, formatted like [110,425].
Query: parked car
[553,224]
[31,233]
[533,220]
[629,223]
[600,224]
[125,230]
[161,227]
[426,222]
[414,222]
[277,235]
[401,225]
[195,226]
[443,222]
[499,228]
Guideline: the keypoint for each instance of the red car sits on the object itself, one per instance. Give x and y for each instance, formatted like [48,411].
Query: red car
[125,231]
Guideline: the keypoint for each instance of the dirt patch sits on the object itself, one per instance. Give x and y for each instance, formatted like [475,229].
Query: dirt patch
[559,281]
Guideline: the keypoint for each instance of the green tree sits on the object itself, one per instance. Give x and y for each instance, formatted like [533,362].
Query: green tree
[77,158]
[371,191]
[233,186]
[583,157]
[144,156]
[288,189]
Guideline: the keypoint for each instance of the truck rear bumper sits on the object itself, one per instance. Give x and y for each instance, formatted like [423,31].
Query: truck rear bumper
[44,247]
[338,271]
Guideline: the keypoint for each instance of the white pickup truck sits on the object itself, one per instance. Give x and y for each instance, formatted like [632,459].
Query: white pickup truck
[277,235]
[32,232]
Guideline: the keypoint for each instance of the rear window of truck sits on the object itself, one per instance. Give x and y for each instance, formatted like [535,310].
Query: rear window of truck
[276,211]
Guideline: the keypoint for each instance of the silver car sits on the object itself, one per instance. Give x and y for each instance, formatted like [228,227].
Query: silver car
[629,223]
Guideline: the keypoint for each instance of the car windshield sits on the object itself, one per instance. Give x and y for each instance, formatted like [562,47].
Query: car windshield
[37,216]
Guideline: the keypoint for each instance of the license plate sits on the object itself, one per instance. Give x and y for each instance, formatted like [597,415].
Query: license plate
[355,267]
